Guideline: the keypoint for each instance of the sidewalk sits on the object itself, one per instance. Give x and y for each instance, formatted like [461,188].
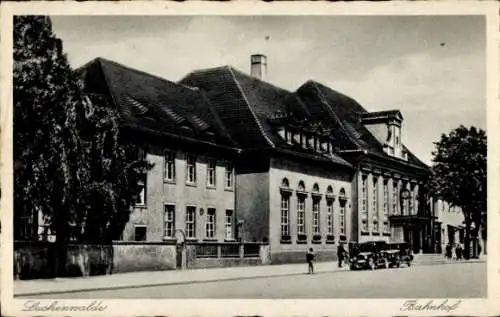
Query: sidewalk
[161,278]
[164,278]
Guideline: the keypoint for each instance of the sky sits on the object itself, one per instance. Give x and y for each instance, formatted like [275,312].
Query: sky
[431,68]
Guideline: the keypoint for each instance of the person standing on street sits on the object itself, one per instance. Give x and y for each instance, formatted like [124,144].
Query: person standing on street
[341,254]
[310,260]
[448,251]
[458,251]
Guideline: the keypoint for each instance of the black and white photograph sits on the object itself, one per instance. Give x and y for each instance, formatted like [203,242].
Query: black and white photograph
[248,156]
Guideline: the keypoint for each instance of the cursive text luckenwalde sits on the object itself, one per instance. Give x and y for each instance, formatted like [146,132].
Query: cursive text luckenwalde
[415,305]
[32,305]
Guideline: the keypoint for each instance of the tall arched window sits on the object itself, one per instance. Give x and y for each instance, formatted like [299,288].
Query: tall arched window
[316,198]
[329,213]
[301,211]
[285,210]
[342,214]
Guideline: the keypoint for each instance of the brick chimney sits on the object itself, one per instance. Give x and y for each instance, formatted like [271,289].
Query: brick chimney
[259,66]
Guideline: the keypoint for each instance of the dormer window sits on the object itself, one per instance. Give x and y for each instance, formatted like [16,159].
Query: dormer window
[310,142]
[324,146]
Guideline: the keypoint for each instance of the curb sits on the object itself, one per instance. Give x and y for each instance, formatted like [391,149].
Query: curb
[134,286]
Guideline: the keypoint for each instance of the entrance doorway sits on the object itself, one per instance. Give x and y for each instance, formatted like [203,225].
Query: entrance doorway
[178,256]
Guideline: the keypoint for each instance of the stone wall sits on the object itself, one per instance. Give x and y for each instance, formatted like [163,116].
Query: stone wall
[33,260]
[37,259]
[130,257]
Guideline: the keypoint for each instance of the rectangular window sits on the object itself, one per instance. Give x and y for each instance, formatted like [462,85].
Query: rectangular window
[316,222]
[285,215]
[229,175]
[405,202]
[386,207]
[301,216]
[140,233]
[229,225]
[141,197]
[191,169]
[364,204]
[386,198]
[169,166]
[169,220]
[329,212]
[412,199]
[387,229]
[190,222]
[210,226]
[375,204]
[395,201]
[211,172]
[342,220]
[416,200]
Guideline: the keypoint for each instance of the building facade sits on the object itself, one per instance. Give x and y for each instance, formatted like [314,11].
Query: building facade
[190,189]
[448,224]
[238,159]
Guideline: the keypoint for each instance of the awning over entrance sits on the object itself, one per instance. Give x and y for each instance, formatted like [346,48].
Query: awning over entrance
[409,219]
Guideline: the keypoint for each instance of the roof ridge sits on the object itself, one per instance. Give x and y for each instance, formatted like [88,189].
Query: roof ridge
[260,80]
[138,71]
[323,100]
[204,70]
[261,129]
[98,61]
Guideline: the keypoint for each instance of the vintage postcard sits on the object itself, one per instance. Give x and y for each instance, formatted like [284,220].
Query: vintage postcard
[270,159]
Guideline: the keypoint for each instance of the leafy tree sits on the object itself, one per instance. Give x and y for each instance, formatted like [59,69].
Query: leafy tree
[459,167]
[69,164]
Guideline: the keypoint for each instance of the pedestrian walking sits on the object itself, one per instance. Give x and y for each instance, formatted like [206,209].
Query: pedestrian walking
[448,254]
[459,251]
[341,254]
[310,260]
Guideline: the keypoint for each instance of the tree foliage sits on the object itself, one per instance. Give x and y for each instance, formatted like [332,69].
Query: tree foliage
[459,167]
[70,164]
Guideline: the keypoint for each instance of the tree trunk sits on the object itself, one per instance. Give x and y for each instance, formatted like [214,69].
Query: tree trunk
[467,238]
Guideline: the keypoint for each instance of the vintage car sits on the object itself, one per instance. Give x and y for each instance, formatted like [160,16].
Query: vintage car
[368,255]
[405,252]
[393,257]
[399,253]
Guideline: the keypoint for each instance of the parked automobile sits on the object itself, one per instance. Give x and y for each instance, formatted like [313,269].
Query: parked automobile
[393,257]
[399,253]
[368,255]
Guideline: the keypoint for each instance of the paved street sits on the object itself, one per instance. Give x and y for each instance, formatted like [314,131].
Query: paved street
[431,281]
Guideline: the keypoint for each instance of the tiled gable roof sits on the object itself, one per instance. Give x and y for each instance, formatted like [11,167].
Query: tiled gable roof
[345,114]
[248,107]
[156,104]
